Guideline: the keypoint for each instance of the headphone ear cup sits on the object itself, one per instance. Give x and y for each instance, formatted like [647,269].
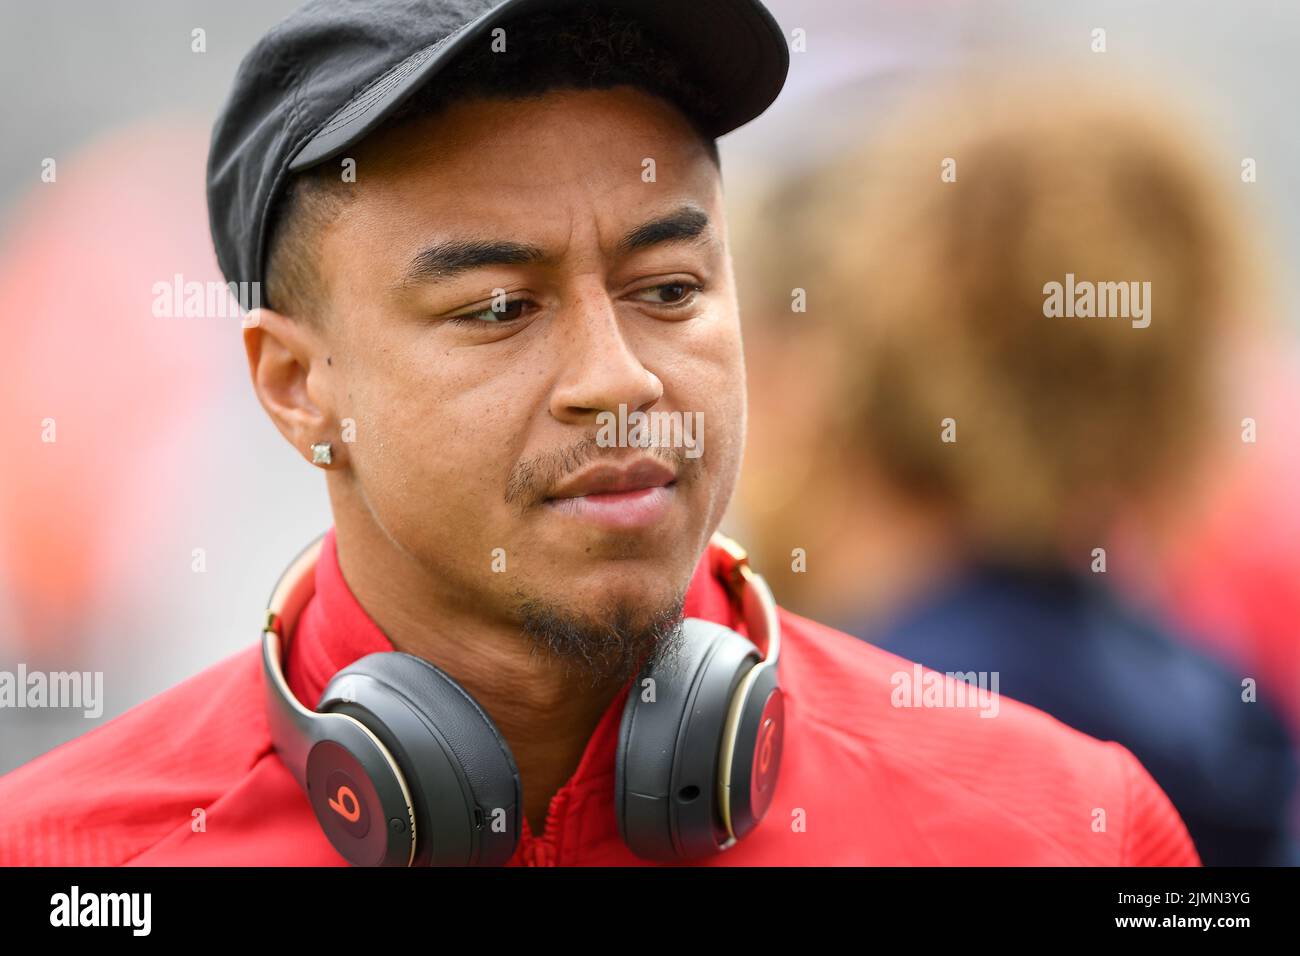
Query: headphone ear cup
[667,789]
[461,775]
[358,793]
[756,757]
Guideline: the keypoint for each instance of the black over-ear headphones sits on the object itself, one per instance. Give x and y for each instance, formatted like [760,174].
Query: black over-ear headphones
[403,767]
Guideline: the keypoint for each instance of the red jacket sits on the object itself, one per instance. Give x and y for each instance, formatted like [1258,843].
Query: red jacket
[862,781]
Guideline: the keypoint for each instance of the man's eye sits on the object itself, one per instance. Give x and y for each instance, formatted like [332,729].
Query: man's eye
[508,313]
[670,293]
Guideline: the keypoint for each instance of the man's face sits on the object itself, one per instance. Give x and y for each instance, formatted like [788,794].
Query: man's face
[476,428]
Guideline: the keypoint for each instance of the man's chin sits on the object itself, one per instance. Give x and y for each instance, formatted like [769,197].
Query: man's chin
[608,643]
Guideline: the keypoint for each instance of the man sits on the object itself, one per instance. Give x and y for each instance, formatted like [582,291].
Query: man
[499,232]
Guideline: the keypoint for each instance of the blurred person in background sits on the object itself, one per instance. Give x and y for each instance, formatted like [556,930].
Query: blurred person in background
[975,453]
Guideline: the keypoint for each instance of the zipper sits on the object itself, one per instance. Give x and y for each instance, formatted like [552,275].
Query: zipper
[544,850]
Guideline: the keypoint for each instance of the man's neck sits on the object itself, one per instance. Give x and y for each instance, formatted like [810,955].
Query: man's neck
[545,710]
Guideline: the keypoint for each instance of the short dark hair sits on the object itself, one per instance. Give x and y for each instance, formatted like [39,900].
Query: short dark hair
[587,48]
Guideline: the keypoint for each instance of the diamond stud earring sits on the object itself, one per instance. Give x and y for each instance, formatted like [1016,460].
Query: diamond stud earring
[320,453]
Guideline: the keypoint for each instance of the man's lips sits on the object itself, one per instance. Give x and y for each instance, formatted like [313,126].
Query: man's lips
[633,496]
[608,479]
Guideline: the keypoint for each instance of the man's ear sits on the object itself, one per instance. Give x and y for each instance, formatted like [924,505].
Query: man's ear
[288,364]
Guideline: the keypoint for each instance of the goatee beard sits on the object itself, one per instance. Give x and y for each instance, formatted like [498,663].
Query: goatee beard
[610,648]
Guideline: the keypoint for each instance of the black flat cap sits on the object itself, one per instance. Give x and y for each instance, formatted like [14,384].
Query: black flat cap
[334,70]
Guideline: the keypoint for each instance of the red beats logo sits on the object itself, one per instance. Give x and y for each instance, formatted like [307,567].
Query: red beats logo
[765,746]
[767,754]
[349,809]
[346,804]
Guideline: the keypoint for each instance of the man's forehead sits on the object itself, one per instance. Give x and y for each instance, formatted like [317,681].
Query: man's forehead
[454,190]
[613,137]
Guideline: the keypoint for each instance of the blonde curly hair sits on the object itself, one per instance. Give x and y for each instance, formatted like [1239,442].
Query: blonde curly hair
[935,290]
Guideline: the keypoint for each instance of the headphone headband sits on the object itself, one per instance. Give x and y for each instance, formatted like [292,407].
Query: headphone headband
[757,605]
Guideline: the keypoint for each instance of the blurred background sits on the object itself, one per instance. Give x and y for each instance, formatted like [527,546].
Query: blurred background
[147,504]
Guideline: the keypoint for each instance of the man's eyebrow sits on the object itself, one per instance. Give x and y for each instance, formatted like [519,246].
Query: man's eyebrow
[448,259]
[445,260]
[687,223]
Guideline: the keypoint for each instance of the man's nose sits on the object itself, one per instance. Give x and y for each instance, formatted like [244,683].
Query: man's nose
[600,369]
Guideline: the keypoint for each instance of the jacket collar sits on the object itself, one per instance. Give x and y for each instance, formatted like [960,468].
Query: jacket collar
[334,630]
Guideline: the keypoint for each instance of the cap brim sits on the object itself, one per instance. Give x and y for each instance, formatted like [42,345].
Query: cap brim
[734,49]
